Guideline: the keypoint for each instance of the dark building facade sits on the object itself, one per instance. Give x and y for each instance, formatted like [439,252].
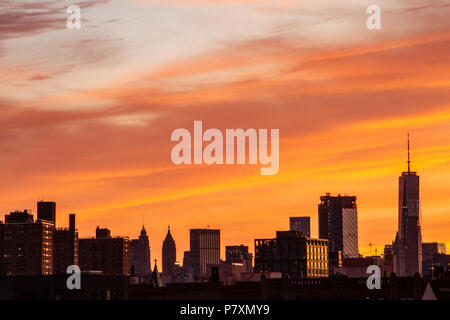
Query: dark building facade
[408,240]
[27,245]
[388,260]
[65,247]
[432,253]
[46,210]
[111,255]
[302,224]
[292,254]
[204,250]
[3,269]
[169,254]
[338,222]
[140,254]
[239,254]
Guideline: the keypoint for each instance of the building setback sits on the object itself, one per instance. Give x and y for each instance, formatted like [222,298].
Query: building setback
[292,253]
[111,255]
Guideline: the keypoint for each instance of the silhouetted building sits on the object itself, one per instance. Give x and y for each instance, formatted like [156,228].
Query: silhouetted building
[408,240]
[430,248]
[180,274]
[239,254]
[437,290]
[102,233]
[27,245]
[46,210]
[111,255]
[187,258]
[338,222]
[169,254]
[155,280]
[432,253]
[294,254]
[140,254]
[388,260]
[65,247]
[3,268]
[54,287]
[357,267]
[302,224]
[204,250]
[227,273]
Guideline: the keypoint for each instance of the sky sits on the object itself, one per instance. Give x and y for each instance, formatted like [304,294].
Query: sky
[86,115]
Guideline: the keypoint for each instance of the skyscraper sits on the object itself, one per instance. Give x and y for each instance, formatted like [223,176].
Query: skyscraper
[204,250]
[140,254]
[408,240]
[169,254]
[302,224]
[338,222]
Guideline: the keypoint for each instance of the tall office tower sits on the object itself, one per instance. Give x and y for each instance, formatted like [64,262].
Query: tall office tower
[46,210]
[169,254]
[140,254]
[338,222]
[239,254]
[292,253]
[408,240]
[204,250]
[65,247]
[301,224]
[27,245]
[105,253]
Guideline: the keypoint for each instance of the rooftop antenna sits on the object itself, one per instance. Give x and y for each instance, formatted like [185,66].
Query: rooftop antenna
[409,160]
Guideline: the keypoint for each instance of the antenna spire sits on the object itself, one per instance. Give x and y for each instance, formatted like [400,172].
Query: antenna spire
[409,160]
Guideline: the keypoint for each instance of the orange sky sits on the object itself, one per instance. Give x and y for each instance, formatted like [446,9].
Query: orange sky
[86,116]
